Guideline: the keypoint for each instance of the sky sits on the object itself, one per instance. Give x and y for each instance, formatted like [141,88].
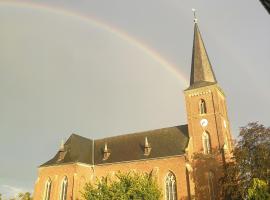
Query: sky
[102,68]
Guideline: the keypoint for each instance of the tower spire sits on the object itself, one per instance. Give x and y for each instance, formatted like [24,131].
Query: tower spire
[201,70]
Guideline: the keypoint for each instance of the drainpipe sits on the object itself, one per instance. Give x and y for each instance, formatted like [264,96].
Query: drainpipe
[93,157]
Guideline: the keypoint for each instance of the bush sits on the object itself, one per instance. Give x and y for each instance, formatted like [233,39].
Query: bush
[124,186]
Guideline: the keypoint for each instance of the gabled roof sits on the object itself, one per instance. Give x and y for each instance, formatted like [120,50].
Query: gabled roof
[201,69]
[163,142]
[76,149]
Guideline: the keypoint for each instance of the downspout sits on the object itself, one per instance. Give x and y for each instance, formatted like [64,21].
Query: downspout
[215,120]
[93,157]
[73,187]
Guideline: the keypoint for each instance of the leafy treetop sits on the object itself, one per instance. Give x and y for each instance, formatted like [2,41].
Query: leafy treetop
[124,186]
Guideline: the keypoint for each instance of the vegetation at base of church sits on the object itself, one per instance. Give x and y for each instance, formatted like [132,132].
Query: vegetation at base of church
[258,190]
[24,196]
[124,186]
[20,196]
[201,164]
[248,173]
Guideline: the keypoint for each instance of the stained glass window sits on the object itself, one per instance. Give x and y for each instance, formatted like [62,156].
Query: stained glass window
[171,193]
[63,195]
[47,191]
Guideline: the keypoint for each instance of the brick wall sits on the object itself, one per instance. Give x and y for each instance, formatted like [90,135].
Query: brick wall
[78,174]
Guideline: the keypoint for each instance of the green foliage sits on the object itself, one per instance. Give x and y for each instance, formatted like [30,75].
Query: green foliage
[24,196]
[258,190]
[124,186]
[202,165]
[21,196]
[251,160]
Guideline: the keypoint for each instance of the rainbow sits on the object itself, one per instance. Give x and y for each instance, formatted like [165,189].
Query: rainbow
[102,25]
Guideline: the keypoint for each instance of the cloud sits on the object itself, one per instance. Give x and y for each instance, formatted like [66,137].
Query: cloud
[9,191]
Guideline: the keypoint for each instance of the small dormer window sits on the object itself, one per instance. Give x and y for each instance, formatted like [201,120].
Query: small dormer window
[147,147]
[61,156]
[62,152]
[202,107]
[106,152]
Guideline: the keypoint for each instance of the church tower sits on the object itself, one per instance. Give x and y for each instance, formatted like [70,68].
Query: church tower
[205,103]
[208,123]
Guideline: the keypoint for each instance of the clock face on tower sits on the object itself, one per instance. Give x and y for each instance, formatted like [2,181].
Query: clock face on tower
[204,122]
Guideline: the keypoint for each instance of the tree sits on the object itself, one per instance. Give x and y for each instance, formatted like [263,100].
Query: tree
[203,165]
[250,162]
[22,196]
[258,190]
[25,196]
[124,186]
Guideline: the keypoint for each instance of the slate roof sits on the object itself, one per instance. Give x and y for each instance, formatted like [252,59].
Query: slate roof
[76,149]
[201,69]
[164,142]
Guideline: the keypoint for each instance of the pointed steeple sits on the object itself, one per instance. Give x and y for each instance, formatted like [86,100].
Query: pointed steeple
[201,69]
[62,145]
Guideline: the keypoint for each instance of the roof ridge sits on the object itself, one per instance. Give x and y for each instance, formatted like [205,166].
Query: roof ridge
[139,133]
[126,147]
[79,136]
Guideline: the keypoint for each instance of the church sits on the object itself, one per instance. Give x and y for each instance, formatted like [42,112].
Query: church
[169,153]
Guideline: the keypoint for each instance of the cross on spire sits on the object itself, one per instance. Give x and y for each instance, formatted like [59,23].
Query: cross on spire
[194,14]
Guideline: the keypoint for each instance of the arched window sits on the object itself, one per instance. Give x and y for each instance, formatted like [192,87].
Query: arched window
[202,107]
[206,143]
[47,191]
[63,194]
[211,185]
[170,187]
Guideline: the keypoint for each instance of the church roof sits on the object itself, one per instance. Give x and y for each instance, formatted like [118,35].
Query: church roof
[76,149]
[164,142]
[202,73]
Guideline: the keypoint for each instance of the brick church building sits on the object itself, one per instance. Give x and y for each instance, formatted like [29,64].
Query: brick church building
[169,153]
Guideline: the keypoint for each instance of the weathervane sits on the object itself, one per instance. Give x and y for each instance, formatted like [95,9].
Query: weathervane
[194,14]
